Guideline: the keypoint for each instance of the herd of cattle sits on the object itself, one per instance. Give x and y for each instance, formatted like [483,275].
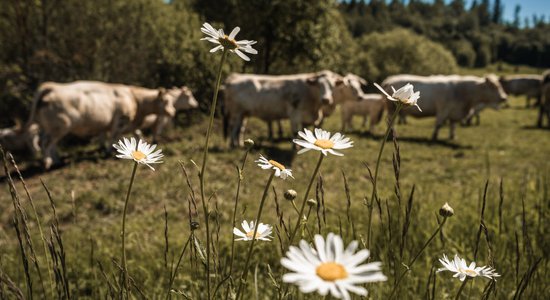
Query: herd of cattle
[105,110]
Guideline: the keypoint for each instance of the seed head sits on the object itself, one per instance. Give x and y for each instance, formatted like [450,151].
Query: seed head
[312,202]
[194,225]
[290,195]
[446,211]
[249,143]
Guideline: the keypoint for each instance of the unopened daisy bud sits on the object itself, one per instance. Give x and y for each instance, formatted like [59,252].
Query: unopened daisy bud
[446,211]
[194,225]
[290,195]
[249,143]
[312,202]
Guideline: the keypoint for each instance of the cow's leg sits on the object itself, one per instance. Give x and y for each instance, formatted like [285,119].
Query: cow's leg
[372,123]
[365,117]
[269,130]
[235,129]
[160,123]
[452,128]
[280,128]
[51,156]
[241,132]
[439,121]
[527,101]
[541,114]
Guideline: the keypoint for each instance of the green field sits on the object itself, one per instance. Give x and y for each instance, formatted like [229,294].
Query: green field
[505,150]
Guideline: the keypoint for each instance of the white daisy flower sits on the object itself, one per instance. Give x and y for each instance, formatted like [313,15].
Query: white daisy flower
[330,268]
[280,170]
[462,269]
[405,95]
[322,141]
[228,41]
[263,233]
[143,153]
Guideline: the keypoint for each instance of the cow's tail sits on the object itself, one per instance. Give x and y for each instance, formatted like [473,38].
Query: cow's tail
[36,101]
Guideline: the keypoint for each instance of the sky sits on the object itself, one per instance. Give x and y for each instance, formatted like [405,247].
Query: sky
[528,8]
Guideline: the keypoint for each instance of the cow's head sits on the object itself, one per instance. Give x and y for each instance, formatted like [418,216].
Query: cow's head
[493,95]
[321,81]
[165,106]
[349,88]
[182,98]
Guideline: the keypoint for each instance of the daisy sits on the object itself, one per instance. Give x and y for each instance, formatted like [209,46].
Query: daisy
[322,141]
[405,95]
[461,268]
[142,153]
[280,170]
[263,233]
[228,42]
[330,268]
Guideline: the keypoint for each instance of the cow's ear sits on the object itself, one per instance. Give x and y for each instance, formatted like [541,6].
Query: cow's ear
[162,91]
[339,81]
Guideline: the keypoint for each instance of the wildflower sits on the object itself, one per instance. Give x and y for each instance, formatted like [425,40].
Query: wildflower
[330,268]
[446,211]
[228,42]
[405,95]
[249,143]
[290,195]
[263,233]
[322,141]
[144,153]
[461,268]
[280,170]
[311,202]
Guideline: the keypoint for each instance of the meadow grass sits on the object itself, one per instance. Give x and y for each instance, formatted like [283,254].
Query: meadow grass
[501,166]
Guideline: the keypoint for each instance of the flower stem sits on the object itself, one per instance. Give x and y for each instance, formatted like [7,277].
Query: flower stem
[125,276]
[461,288]
[375,180]
[299,219]
[203,169]
[409,265]
[256,225]
[173,276]
[240,174]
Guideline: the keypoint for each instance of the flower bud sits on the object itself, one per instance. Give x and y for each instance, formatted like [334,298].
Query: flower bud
[446,211]
[194,225]
[290,195]
[312,202]
[248,143]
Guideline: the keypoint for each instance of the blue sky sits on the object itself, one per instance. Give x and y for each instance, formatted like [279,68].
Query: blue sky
[528,8]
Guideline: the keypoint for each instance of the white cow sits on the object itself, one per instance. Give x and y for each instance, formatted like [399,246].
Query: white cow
[15,139]
[297,97]
[182,99]
[523,84]
[450,97]
[90,108]
[371,106]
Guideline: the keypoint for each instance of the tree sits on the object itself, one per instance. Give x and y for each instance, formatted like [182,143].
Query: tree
[517,11]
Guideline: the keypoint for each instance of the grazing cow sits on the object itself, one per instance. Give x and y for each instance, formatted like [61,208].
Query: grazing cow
[371,105]
[182,99]
[297,97]
[90,108]
[15,139]
[524,84]
[450,97]
[344,90]
[544,107]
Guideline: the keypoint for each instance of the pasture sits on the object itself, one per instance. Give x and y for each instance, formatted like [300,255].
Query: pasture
[506,151]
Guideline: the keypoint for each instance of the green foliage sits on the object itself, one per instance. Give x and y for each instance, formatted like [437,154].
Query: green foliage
[402,51]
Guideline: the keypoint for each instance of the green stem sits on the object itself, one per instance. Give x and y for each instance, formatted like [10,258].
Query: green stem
[173,276]
[123,234]
[410,264]
[203,169]
[299,219]
[461,288]
[240,171]
[256,225]
[375,180]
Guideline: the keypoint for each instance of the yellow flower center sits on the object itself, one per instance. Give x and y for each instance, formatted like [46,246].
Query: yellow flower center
[331,271]
[276,164]
[138,155]
[468,272]
[325,144]
[228,43]
[251,233]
